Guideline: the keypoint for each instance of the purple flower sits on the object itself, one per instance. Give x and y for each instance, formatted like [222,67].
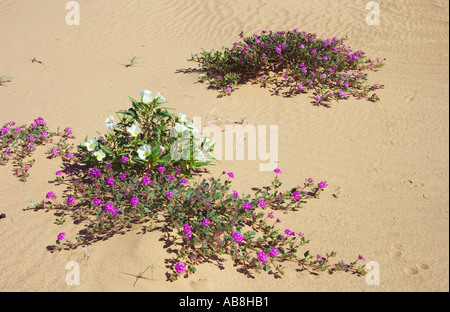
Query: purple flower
[185,181]
[270,215]
[310,180]
[145,180]
[170,177]
[247,205]
[123,176]
[322,185]
[109,181]
[261,203]
[288,232]
[278,50]
[44,134]
[54,151]
[134,201]
[186,228]
[70,200]
[180,267]
[228,89]
[61,236]
[108,207]
[115,212]
[235,194]
[59,172]
[17,130]
[169,194]
[32,139]
[319,257]
[378,85]
[188,235]
[69,155]
[124,159]
[273,252]
[360,257]
[296,195]
[299,87]
[318,98]
[40,121]
[231,175]
[277,170]
[262,256]
[323,76]
[109,165]
[69,131]
[238,238]
[206,222]
[313,52]
[50,195]
[4,130]
[96,202]
[325,58]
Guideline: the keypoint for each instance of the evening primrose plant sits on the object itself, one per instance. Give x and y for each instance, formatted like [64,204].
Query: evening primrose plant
[294,61]
[146,136]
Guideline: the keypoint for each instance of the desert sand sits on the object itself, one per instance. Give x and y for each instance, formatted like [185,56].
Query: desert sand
[386,162]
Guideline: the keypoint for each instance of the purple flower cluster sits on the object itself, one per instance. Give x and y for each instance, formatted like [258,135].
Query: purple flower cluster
[247,206]
[180,267]
[96,173]
[238,238]
[262,256]
[110,208]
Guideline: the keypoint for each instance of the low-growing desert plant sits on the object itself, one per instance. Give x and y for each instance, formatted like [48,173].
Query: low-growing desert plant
[4,80]
[147,136]
[293,61]
[18,143]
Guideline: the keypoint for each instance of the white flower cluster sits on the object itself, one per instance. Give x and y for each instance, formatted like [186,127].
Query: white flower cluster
[184,130]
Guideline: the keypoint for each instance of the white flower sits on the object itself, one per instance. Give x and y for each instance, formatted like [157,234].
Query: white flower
[178,129]
[206,144]
[99,155]
[182,117]
[198,155]
[109,123]
[144,151]
[146,96]
[160,98]
[193,129]
[91,144]
[134,130]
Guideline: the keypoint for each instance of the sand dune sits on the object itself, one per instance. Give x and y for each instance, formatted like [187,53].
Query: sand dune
[387,162]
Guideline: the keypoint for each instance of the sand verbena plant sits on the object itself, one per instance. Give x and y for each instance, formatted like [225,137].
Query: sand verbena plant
[292,62]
